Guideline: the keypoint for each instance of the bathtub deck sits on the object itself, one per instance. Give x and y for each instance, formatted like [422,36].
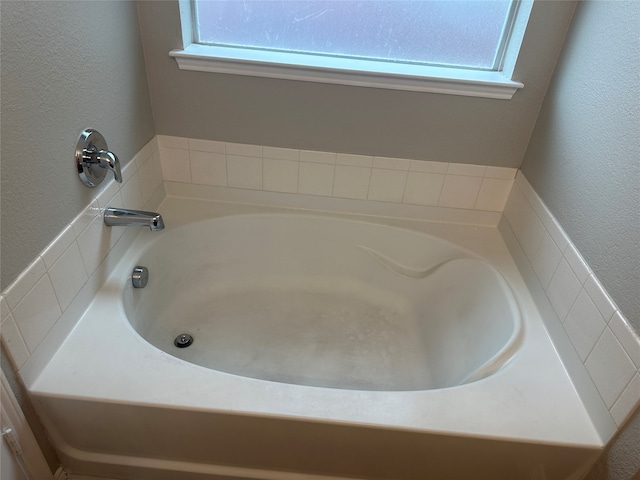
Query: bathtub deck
[531,401]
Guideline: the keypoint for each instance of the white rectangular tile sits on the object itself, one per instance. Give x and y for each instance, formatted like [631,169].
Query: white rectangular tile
[84,218]
[175,165]
[281,153]
[627,337]
[544,214]
[206,146]
[94,244]
[280,175]
[354,160]
[172,142]
[563,289]
[610,368]
[128,171]
[244,172]
[392,163]
[423,188]
[244,150]
[132,194]
[56,248]
[577,263]
[493,194]
[37,312]
[513,209]
[523,183]
[208,168]
[135,163]
[532,234]
[13,342]
[68,276]
[153,143]
[107,193]
[504,173]
[550,223]
[317,157]
[145,152]
[25,282]
[546,259]
[427,166]
[387,185]
[315,179]
[150,177]
[600,297]
[526,225]
[351,182]
[467,170]
[627,402]
[557,233]
[459,191]
[584,325]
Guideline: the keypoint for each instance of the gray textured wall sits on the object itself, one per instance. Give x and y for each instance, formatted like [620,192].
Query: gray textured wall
[584,155]
[621,460]
[347,119]
[584,160]
[66,66]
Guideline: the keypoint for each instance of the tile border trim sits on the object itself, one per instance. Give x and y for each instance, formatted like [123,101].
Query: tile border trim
[331,174]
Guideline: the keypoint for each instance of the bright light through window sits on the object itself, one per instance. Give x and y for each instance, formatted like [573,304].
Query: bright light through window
[456,33]
[454,47]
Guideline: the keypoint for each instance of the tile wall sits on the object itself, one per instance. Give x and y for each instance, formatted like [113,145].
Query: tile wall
[394,180]
[603,339]
[74,261]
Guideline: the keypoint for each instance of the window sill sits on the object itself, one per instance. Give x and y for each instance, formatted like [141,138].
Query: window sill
[363,73]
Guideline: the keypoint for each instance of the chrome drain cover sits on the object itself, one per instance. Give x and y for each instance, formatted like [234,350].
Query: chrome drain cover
[183,340]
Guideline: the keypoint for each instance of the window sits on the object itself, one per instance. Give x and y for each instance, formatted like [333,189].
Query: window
[465,47]
[463,33]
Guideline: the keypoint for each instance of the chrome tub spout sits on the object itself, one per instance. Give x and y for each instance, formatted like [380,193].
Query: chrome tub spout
[122,217]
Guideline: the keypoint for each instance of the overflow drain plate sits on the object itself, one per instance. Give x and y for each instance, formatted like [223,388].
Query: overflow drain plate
[183,340]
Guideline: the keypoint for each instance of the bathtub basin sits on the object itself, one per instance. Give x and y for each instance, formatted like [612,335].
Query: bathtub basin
[427,357]
[325,302]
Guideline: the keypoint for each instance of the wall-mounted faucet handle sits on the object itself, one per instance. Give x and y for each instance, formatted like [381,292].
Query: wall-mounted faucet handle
[93,159]
[108,160]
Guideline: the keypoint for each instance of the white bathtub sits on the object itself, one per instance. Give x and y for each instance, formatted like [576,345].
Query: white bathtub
[325,346]
[325,302]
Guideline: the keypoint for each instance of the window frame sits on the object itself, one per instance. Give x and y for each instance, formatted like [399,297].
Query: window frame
[355,72]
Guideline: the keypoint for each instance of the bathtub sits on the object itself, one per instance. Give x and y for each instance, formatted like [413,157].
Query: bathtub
[325,346]
[325,302]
